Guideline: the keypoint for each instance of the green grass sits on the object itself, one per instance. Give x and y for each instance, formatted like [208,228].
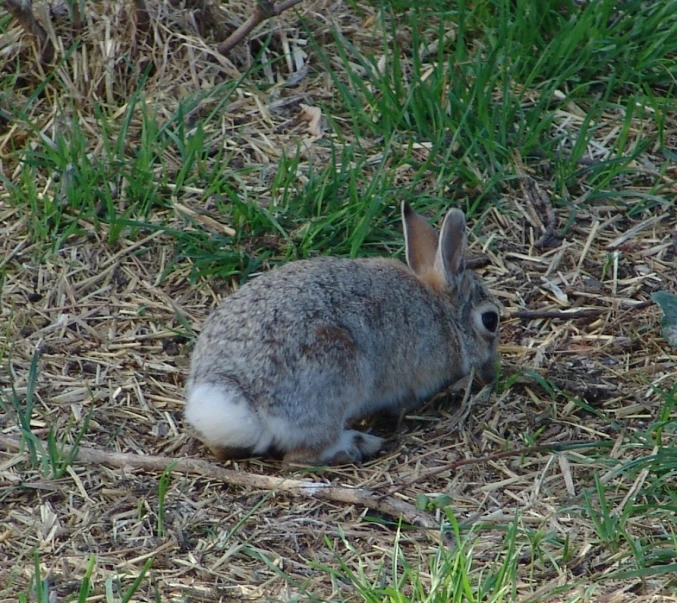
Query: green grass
[60,451]
[495,86]
[638,537]
[40,590]
[163,485]
[449,574]
[458,570]
[631,506]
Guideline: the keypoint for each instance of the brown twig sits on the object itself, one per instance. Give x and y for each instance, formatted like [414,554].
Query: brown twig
[76,16]
[264,10]
[22,11]
[295,487]
[561,314]
[538,199]
[142,16]
[455,465]
[584,389]
[473,262]
[577,313]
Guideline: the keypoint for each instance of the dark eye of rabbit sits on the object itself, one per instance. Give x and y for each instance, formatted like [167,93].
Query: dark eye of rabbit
[490,321]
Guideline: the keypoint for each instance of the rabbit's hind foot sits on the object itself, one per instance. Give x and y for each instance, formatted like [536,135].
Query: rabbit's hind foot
[229,453]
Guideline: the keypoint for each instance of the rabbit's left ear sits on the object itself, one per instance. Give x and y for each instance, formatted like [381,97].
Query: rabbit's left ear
[450,258]
[420,241]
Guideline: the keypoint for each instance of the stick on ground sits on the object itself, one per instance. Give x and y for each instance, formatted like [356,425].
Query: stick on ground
[22,11]
[264,10]
[295,487]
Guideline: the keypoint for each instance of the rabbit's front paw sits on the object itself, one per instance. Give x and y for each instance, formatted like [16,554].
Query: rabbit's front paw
[350,447]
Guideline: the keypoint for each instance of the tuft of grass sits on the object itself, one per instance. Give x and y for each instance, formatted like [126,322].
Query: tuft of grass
[502,77]
[40,590]
[121,185]
[163,486]
[441,575]
[632,506]
[59,454]
[23,408]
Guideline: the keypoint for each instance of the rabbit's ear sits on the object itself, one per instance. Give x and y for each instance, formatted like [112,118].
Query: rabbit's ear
[450,260]
[420,241]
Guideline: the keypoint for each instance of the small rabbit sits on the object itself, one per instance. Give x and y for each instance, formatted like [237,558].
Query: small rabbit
[288,359]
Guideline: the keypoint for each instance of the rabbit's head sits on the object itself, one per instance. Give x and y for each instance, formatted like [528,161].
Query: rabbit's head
[440,263]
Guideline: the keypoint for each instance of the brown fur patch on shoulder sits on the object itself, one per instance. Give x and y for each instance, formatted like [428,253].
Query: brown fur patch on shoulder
[334,336]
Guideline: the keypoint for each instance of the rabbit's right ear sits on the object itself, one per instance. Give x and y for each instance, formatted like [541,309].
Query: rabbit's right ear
[420,241]
[450,260]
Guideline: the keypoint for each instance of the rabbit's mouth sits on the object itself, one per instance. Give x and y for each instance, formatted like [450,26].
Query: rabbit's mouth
[481,376]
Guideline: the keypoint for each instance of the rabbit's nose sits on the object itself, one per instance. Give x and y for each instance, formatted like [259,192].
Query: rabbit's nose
[486,373]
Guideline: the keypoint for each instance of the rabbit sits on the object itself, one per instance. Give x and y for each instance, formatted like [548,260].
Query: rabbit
[286,361]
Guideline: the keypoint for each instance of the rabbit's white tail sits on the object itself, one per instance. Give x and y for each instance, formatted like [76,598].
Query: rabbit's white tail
[225,418]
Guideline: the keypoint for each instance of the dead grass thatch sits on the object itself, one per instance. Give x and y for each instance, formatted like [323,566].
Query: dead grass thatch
[577,312]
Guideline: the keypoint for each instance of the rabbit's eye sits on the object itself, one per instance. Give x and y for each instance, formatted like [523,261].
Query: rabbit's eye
[490,321]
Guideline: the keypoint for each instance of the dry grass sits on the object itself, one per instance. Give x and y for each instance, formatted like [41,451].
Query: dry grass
[105,319]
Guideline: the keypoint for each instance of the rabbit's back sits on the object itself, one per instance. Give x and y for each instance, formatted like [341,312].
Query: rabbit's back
[370,319]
